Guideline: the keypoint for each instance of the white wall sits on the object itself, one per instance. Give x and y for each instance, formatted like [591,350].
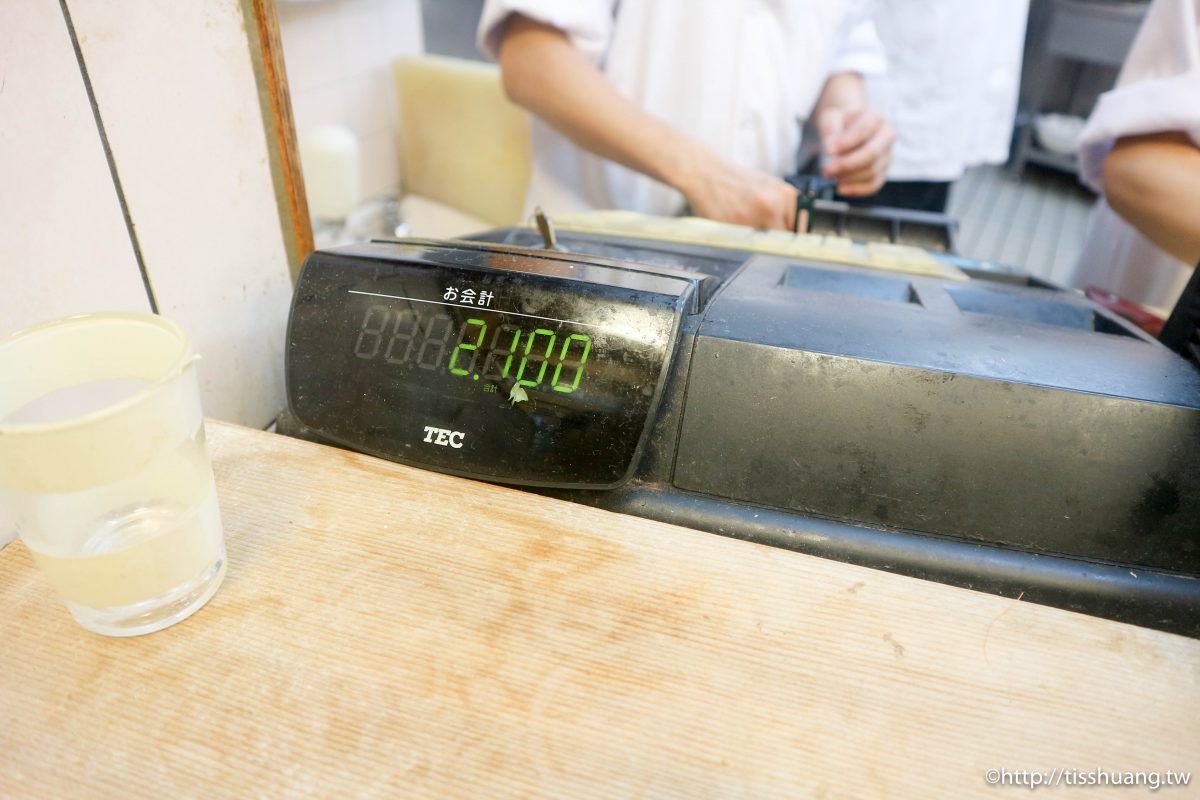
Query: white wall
[339,55]
[64,248]
[177,97]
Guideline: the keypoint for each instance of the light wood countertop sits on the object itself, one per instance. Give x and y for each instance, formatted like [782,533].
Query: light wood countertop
[388,632]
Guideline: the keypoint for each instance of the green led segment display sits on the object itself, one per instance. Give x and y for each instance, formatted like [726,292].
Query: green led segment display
[464,346]
[578,362]
[407,336]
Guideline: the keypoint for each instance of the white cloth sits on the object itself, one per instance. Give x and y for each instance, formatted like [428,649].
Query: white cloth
[1157,91]
[951,86]
[735,74]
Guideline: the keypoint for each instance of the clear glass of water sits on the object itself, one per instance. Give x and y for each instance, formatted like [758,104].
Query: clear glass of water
[104,467]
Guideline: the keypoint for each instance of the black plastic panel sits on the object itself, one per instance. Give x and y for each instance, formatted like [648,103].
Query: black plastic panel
[998,462]
[868,287]
[1044,311]
[934,334]
[551,382]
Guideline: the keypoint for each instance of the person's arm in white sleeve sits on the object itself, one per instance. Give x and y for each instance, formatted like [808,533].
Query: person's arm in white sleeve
[587,24]
[548,75]
[1141,145]
[855,138]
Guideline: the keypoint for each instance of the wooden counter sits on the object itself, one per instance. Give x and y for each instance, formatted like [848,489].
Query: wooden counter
[388,632]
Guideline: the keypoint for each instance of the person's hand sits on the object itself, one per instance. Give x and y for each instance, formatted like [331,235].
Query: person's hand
[721,190]
[858,149]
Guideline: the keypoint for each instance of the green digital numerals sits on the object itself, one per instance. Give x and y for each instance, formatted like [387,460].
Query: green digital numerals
[473,348]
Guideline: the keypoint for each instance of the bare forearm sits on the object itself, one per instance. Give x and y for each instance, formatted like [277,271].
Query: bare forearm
[1153,182]
[545,74]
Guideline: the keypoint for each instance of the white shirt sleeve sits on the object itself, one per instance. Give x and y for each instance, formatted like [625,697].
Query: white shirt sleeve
[588,23]
[861,51]
[1158,89]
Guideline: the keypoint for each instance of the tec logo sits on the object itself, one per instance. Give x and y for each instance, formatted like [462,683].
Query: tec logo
[443,437]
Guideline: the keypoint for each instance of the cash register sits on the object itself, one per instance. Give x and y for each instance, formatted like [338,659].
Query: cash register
[893,406]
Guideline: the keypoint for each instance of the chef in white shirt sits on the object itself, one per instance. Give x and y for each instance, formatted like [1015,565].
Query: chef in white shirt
[1141,148]
[662,105]
[950,91]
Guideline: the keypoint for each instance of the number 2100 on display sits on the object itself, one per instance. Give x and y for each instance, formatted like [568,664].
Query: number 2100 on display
[404,335]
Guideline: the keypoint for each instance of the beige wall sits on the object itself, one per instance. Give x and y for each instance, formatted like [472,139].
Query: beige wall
[64,248]
[177,98]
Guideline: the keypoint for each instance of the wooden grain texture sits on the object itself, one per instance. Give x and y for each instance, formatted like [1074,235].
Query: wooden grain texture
[387,632]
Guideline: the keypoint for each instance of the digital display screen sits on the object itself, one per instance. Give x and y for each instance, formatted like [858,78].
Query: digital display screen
[524,349]
[538,372]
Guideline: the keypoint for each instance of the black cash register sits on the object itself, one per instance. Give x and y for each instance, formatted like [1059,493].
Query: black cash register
[947,421]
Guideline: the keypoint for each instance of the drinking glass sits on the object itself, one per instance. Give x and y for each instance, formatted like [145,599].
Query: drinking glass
[105,469]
